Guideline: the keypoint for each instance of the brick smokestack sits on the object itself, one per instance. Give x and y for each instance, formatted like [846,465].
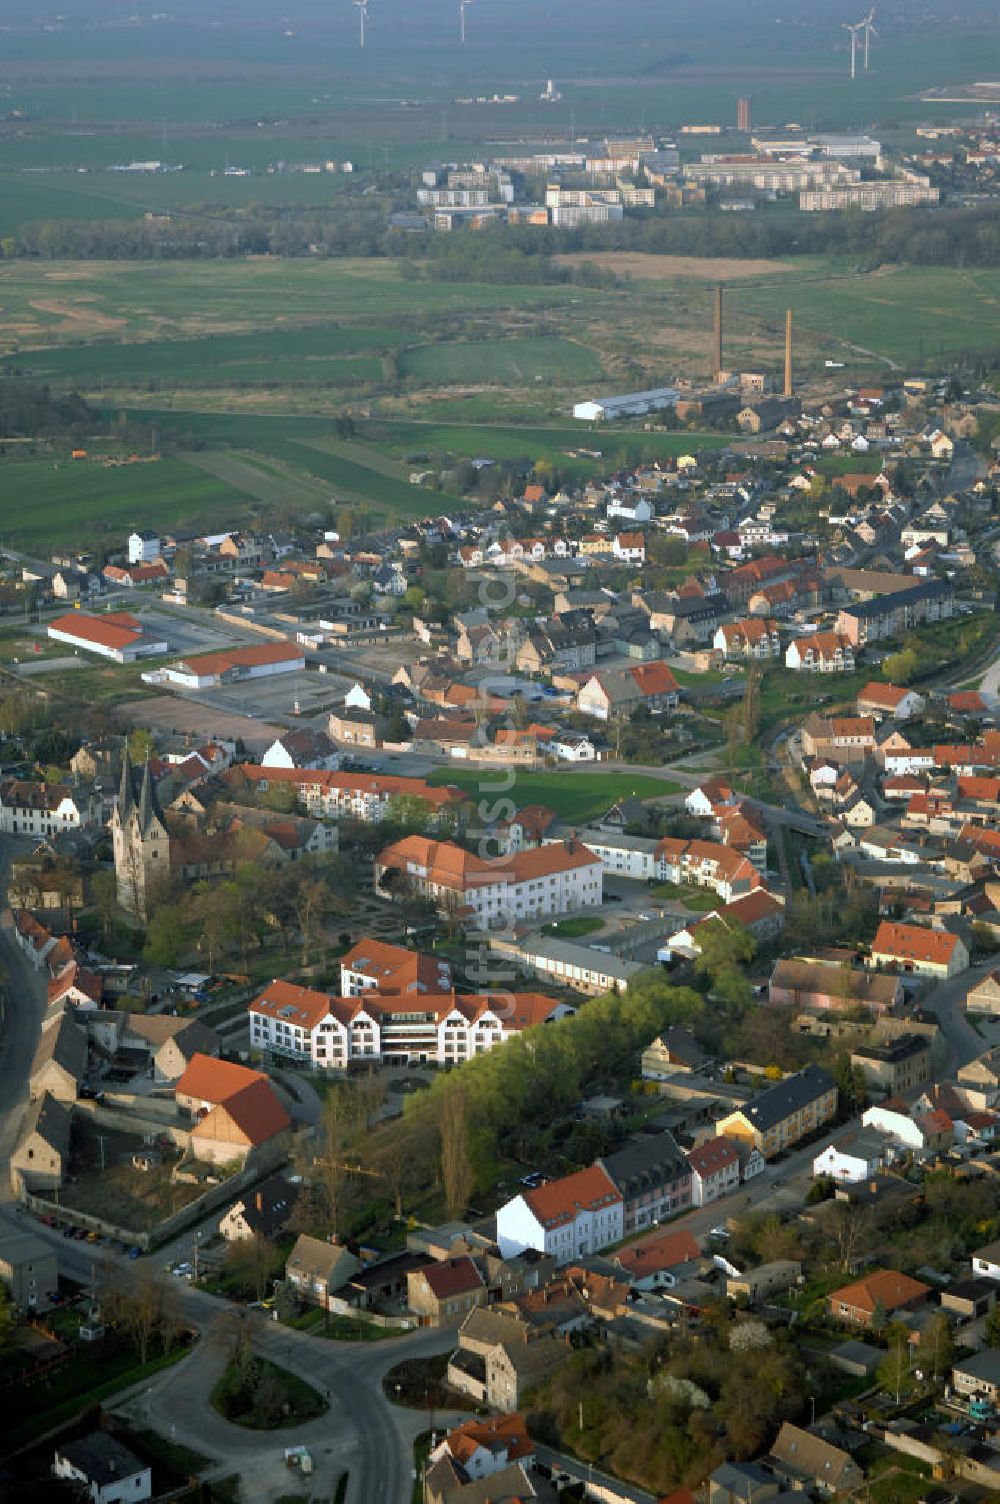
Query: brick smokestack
[788,352]
[718,333]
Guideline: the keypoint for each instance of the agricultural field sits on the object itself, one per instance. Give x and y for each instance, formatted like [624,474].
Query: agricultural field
[54,303]
[574,795]
[889,317]
[502,362]
[46,499]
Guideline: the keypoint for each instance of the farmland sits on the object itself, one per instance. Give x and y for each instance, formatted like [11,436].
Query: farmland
[503,362]
[581,797]
[46,499]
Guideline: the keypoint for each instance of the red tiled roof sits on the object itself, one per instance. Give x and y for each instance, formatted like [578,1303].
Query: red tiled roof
[713,1155]
[453,1277]
[885,1287]
[256,655]
[116,630]
[558,1202]
[252,1115]
[662,1251]
[214,1080]
[912,942]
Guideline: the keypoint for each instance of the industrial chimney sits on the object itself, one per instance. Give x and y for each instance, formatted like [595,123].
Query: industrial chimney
[788,352]
[718,334]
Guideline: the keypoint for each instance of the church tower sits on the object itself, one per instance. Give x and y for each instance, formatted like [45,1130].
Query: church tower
[140,838]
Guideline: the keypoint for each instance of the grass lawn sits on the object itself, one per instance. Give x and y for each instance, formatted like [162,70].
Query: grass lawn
[94,1373]
[696,899]
[261,1396]
[571,929]
[577,797]
[340,1328]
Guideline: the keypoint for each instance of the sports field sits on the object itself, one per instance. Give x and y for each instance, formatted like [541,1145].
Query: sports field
[581,797]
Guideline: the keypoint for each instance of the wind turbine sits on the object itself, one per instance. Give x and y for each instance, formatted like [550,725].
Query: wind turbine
[869,28]
[858,26]
[462,4]
[362,6]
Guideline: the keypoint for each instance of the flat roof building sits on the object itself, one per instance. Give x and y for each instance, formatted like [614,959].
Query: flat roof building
[630,405]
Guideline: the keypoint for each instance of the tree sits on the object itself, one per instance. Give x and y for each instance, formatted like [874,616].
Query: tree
[937,1350]
[894,1372]
[724,950]
[992,1328]
[333,1172]
[311,902]
[252,1262]
[139,1309]
[456,1168]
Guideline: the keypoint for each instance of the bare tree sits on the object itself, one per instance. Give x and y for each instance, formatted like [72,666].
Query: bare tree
[139,1310]
[849,1228]
[333,1170]
[456,1168]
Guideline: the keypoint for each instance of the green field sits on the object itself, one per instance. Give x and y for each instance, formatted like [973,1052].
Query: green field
[513,361]
[47,502]
[68,302]
[892,316]
[575,797]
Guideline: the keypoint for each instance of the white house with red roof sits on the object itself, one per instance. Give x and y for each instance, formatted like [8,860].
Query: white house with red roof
[376,966]
[715,1170]
[118,635]
[917,949]
[889,700]
[569,1218]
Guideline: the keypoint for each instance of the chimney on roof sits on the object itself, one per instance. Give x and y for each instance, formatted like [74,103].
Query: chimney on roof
[259,1199]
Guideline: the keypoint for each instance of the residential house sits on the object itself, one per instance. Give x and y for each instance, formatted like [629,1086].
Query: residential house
[895,1066]
[778,1117]
[806,1461]
[984,997]
[853,1159]
[653,1177]
[482,1449]
[443,1294]
[924,952]
[29,1267]
[978,1376]
[236,1112]
[715,1170]
[59,1065]
[879,1290]
[751,637]
[675,1051]
[316,1269]
[821,653]
[304,747]
[569,1218]
[41,1154]
[617,692]
[261,1212]
[103,1470]
[890,701]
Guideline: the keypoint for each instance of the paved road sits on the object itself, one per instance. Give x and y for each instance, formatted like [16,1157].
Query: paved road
[361,1431]
[946,1000]
[24,1002]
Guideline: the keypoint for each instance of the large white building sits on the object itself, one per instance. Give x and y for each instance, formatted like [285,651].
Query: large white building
[569,1218]
[631,405]
[117,635]
[230,665]
[332,1033]
[534,884]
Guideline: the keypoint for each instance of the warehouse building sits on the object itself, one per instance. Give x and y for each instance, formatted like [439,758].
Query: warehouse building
[632,405]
